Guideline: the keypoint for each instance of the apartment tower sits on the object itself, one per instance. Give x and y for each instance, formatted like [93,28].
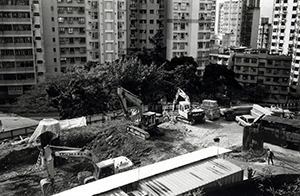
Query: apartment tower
[285,37]
[190,27]
[264,33]
[250,23]
[77,31]
[21,47]
[230,22]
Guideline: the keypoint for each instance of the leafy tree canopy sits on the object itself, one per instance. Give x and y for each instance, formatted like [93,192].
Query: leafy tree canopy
[91,88]
[219,83]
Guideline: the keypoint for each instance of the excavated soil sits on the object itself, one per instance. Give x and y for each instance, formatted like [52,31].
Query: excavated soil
[19,174]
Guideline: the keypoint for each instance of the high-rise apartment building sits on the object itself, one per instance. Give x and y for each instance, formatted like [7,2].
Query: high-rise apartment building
[264,33]
[21,47]
[250,23]
[77,31]
[230,21]
[238,22]
[190,27]
[44,37]
[285,37]
[145,18]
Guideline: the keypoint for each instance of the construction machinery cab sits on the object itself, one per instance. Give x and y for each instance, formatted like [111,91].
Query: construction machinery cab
[187,113]
[148,120]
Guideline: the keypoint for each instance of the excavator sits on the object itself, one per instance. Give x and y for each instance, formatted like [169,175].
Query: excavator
[143,121]
[102,169]
[187,114]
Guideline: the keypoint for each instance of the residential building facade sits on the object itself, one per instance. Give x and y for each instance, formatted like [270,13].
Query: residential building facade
[285,37]
[77,31]
[188,21]
[270,72]
[230,22]
[250,23]
[264,33]
[22,62]
[144,20]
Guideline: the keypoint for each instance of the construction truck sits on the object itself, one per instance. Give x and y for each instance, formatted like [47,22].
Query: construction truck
[187,113]
[102,169]
[211,109]
[144,122]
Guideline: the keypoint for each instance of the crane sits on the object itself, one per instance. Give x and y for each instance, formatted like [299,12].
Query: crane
[143,121]
[187,113]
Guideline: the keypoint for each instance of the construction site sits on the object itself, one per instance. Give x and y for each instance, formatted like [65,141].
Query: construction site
[201,145]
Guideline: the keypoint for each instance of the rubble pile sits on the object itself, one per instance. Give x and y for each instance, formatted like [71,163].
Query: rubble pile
[115,141]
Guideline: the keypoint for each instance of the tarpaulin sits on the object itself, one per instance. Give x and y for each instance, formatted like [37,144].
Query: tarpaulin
[55,126]
[50,125]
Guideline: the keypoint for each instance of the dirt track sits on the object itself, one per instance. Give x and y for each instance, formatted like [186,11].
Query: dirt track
[21,176]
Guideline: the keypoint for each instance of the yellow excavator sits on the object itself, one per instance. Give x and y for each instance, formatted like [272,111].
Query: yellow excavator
[143,121]
[187,114]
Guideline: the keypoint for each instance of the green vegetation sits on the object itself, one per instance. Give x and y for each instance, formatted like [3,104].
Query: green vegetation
[91,88]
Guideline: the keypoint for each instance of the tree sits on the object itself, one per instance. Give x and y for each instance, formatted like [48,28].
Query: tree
[33,101]
[219,83]
[157,55]
[78,93]
[181,72]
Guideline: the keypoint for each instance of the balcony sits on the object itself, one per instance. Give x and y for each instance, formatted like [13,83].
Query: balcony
[12,57]
[18,82]
[15,7]
[16,45]
[132,26]
[17,69]
[132,36]
[132,7]
[15,20]
[15,33]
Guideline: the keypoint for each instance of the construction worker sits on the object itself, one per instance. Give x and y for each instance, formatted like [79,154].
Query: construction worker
[270,156]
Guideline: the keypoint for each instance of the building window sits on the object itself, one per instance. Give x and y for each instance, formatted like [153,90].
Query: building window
[54,49]
[52,8]
[70,30]
[61,19]
[238,60]
[54,60]
[52,19]
[53,29]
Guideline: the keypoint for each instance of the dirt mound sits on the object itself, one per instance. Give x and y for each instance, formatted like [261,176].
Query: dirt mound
[24,156]
[116,142]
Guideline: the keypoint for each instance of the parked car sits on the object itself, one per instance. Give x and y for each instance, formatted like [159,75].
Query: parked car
[245,120]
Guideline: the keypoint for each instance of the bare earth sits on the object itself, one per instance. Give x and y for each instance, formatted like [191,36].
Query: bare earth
[23,178]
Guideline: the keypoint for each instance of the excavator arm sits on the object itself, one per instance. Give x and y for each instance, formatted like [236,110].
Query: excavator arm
[182,94]
[126,95]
